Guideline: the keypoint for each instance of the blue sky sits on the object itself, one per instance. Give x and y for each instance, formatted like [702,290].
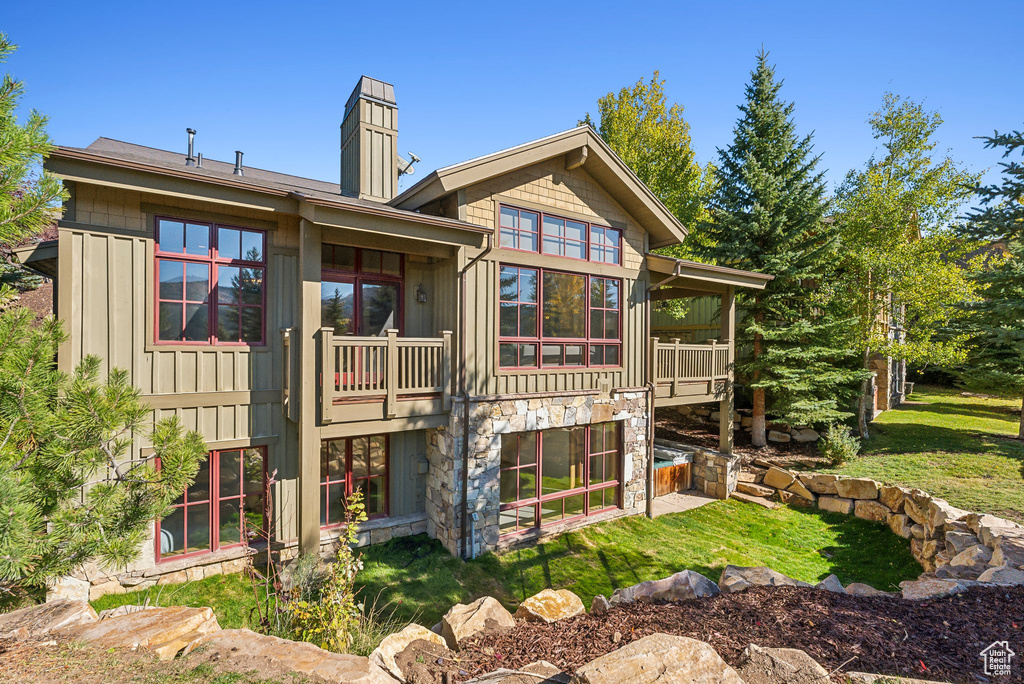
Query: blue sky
[271,79]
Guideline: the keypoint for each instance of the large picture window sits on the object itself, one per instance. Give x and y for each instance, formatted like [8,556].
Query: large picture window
[360,290]
[531,231]
[225,504]
[558,319]
[210,283]
[558,474]
[353,464]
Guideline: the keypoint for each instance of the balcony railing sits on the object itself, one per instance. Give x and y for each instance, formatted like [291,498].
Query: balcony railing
[678,367]
[406,375]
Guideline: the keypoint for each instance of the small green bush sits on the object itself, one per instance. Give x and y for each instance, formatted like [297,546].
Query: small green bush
[839,445]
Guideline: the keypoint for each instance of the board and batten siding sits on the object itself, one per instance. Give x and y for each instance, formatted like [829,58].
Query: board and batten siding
[549,187]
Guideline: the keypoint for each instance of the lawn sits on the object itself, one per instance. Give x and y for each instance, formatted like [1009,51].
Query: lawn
[420,581]
[960,448]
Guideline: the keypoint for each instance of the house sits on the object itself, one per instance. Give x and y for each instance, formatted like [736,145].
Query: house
[336,336]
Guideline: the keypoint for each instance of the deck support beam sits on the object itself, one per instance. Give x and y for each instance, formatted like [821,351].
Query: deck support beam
[727,338]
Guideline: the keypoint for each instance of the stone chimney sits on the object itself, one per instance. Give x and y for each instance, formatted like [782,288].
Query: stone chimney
[369,142]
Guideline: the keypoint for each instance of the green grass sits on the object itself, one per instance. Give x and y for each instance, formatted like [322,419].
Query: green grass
[959,448]
[420,581]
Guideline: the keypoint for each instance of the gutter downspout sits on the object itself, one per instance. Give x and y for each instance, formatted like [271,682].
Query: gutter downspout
[649,362]
[464,392]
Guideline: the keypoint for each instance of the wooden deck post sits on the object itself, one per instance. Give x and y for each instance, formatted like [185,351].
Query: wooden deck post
[326,374]
[446,370]
[725,407]
[308,456]
[675,366]
[391,373]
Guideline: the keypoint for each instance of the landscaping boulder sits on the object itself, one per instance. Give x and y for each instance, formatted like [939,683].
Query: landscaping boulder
[892,497]
[68,588]
[244,650]
[801,490]
[932,587]
[857,488]
[860,589]
[122,610]
[941,512]
[917,530]
[162,631]
[976,555]
[539,672]
[463,621]
[758,665]
[779,437]
[958,541]
[792,499]
[778,478]
[384,655]
[988,526]
[679,587]
[1003,574]
[600,605]
[958,572]
[819,483]
[752,489]
[660,658]
[805,435]
[736,579]
[1008,549]
[835,504]
[39,620]
[900,524]
[831,583]
[917,514]
[550,605]
[871,510]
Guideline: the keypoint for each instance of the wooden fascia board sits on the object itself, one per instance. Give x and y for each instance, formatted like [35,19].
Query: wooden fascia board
[705,273]
[40,251]
[336,217]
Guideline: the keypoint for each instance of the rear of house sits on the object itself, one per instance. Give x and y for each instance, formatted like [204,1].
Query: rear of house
[332,337]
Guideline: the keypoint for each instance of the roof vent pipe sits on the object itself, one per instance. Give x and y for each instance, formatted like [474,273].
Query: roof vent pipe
[189,160]
[199,160]
[238,164]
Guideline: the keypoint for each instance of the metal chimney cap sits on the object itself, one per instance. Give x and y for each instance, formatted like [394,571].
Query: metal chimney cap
[371,89]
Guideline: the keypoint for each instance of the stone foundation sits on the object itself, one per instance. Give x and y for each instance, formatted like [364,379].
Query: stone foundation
[489,421]
[715,473]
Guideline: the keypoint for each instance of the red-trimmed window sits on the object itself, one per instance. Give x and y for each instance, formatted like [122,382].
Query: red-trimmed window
[210,283]
[548,318]
[519,229]
[353,464]
[605,245]
[226,502]
[531,231]
[360,290]
[559,474]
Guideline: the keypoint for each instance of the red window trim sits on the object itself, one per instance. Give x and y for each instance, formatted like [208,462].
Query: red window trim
[349,479]
[357,277]
[586,342]
[213,261]
[585,490]
[587,241]
[213,501]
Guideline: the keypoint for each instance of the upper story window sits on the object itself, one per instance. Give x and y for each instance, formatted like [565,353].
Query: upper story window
[531,231]
[557,319]
[210,283]
[360,290]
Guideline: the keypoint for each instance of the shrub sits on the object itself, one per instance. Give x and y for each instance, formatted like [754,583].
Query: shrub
[839,445]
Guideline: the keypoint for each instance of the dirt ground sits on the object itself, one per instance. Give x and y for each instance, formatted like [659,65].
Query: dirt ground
[938,639]
[46,662]
[670,425]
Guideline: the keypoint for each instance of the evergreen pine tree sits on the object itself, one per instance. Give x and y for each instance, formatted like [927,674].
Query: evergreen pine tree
[996,322]
[767,217]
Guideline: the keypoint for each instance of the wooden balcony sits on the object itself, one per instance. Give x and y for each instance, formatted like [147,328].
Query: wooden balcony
[376,378]
[689,373]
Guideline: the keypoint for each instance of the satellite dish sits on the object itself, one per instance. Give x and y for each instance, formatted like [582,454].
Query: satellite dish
[405,167]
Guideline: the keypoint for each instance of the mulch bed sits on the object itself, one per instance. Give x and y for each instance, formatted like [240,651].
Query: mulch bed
[937,639]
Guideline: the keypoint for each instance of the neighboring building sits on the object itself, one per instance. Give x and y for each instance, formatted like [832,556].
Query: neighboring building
[331,335]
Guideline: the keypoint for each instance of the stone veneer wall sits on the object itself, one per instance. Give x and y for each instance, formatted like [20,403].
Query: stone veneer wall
[715,473]
[489,420]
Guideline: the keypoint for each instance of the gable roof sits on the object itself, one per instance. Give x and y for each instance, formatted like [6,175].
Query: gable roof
[590,152]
